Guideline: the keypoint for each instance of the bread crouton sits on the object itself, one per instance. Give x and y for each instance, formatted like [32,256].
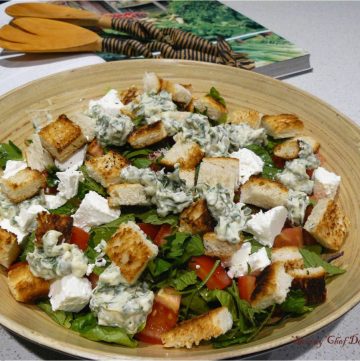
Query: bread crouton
[24,286]
[289,256]
[86,124]
[211,107]
[215,247]
[9,248]
[223,171]
[328,224]
[147,135]
[312,282]
[37,157]
[282,125]
[188,176]
[131,251]
[23,185]
[264,193]
[62,138]
[106,169]
[127,195]
[56,222]
[128,95]
[272,286]
[94,149]
[187,154]
[204,327]
[179,93]
[196,218]
[152,83]
[247,116]
[290,148]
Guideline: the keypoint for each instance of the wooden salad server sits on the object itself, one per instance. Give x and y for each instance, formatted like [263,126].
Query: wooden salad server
[33,35]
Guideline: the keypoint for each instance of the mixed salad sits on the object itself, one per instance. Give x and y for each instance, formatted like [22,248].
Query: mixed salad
[166,218]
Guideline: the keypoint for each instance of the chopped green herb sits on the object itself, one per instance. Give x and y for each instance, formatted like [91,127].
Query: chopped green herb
[214,93]
[9,152]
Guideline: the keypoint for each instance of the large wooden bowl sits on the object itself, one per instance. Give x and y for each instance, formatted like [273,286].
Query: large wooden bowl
[70,91]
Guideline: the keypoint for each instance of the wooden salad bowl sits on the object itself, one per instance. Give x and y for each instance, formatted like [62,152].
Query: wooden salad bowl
[69,91]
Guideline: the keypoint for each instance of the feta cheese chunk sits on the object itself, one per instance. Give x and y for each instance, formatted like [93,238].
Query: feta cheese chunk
[70,293]
[249,164]
[109,103]
[73,162]
[94,210]
[239,261]
[259,260]
[13,167]
[27,217]
[266,226]
[326,183]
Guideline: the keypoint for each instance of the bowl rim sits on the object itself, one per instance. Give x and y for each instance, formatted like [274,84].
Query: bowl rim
[80,351]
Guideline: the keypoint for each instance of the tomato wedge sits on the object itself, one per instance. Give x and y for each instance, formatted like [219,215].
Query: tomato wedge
[308,238]
[149,229]
[93,278]
[278,162]
[289,237]
[165,230]
[203,265]
[160,320]
[246,286]
[80,238]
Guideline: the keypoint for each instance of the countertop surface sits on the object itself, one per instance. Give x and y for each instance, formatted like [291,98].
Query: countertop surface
[328,30]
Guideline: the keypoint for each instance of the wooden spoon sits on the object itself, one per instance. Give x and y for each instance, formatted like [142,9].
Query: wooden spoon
[31,35]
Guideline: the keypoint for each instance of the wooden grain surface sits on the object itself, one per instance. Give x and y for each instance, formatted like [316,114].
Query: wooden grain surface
[70,91]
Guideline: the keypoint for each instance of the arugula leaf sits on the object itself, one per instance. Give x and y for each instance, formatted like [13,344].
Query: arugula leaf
[312,259]
[272,143]
[256,246]
[69,208]
[105,231]
[269,170]
[89,184]
[9,152]
[194,247]
[52,179]
[215,94]
[184,280]
[87,327]
[132,154]
[195,303]
[61,317]
[138,120]
[28,246]
[316,248]
[152,217]
[295,303]
[158,266]
[223,297]
[141,162]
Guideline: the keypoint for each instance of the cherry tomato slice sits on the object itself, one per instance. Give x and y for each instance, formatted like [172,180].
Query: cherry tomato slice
[246,286]
[80,238]
[203,265]
[149,229]
[165,230]
[289,237]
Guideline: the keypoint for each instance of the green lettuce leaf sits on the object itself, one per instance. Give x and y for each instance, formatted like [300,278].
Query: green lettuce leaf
[158,266]
[9,152]
[89,184]
[223,297]
[61,317]
[312,259]
[295,303]
[152,217]
[215,94]
[183,280]
[28,246]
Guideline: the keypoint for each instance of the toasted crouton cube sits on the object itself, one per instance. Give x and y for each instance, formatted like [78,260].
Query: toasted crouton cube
[37,157]
[312,282]
[196,218]
[131,251]
[147,135]
[289,256]
[127,195]
[191,332]
[47,222]
[290,148]
[187,154]
[106,169]
[188,176]
[215,247]
[328,224]
[247,116]
[214,110]
[23,185]
[62,138]
[152,83]
[223,171]
[264,193]
[24,286]
[128,95]
[272,286]
[282,125]
[9,248]
[179,93]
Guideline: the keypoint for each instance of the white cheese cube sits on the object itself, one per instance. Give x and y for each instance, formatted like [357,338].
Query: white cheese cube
[266,226]
[259,260]
[70,293]
[94,210]
[12,167]
[239,261]
[109,103]
[27,216]
[74,162]
[69,182]
[326,183]
[249,164]
[54,201]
